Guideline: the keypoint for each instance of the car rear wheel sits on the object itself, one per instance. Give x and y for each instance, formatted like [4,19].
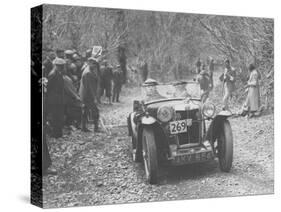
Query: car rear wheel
[149,153]
[225,147]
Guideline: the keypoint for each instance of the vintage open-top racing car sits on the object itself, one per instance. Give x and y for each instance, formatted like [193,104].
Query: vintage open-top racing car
[171,125]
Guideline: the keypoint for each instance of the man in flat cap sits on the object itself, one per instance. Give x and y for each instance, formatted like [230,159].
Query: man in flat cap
[48,64]
[88,54]
[55,97]
[77,60]
[150,90]
[70,66]
[60,53]
[88,93]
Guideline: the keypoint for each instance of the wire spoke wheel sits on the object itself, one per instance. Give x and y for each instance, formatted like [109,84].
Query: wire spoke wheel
[149,154]
[225,147]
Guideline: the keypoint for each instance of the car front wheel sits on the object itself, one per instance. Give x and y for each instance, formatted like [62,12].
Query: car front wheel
[136,150]
[225,147]
[149,153]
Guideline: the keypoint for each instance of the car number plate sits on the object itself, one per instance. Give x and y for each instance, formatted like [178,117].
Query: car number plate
[180,126]
[197,157]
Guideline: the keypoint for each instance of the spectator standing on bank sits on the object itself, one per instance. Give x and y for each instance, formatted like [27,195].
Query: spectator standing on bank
[72,103]
[198,66]
[77,60]
[106,80]
[117,83]
[88,94]
[60,53]
[252,103]
[204,81]
[228,78]
[211,72]
[48,64]
[70,66]
[144,71]
[55,97]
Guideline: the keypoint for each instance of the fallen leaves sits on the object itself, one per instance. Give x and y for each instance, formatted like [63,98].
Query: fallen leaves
[96,169]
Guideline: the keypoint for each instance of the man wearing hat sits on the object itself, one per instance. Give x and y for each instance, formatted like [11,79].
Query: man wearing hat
[70,66]
[48,64]
[60,53]
[88,93]
[55,97]
[150,90]
[78,63]
[117,83]
[88,54]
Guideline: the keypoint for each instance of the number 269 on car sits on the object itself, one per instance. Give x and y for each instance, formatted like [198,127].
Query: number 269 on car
[180,126]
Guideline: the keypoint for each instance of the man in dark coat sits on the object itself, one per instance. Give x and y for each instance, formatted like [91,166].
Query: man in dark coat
[78,62]
[48,64]
[72,103]
[88,54]
[106,80]
[211,71]
[55,97]
[144,71]
[88,93]
[198,66]
[117,83]
[71,69]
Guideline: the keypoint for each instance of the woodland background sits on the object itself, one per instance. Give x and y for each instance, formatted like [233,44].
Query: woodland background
[169,43]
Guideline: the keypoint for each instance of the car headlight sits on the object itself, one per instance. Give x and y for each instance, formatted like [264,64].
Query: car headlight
[165,113]
[209,110]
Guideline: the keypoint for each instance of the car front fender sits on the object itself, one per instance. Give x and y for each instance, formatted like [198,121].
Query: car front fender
[216,125]
[148,120]
[224,113]
[132,126]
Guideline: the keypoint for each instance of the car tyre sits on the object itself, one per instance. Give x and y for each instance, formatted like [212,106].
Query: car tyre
[150,155]
[136,150]
[225,147]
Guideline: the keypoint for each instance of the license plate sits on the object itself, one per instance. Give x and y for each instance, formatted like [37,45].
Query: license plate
[197,157]
[180,126]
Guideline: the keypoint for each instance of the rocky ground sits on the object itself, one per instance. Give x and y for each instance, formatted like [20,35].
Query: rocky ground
[95,169]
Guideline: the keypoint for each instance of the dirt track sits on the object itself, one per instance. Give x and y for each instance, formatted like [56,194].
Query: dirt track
[98,168]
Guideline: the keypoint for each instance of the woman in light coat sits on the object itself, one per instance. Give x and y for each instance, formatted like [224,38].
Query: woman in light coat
[252,103]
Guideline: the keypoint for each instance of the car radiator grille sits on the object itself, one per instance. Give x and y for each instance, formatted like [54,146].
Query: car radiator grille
[192,134]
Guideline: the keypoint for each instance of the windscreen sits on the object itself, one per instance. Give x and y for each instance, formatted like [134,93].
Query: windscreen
[168,91]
